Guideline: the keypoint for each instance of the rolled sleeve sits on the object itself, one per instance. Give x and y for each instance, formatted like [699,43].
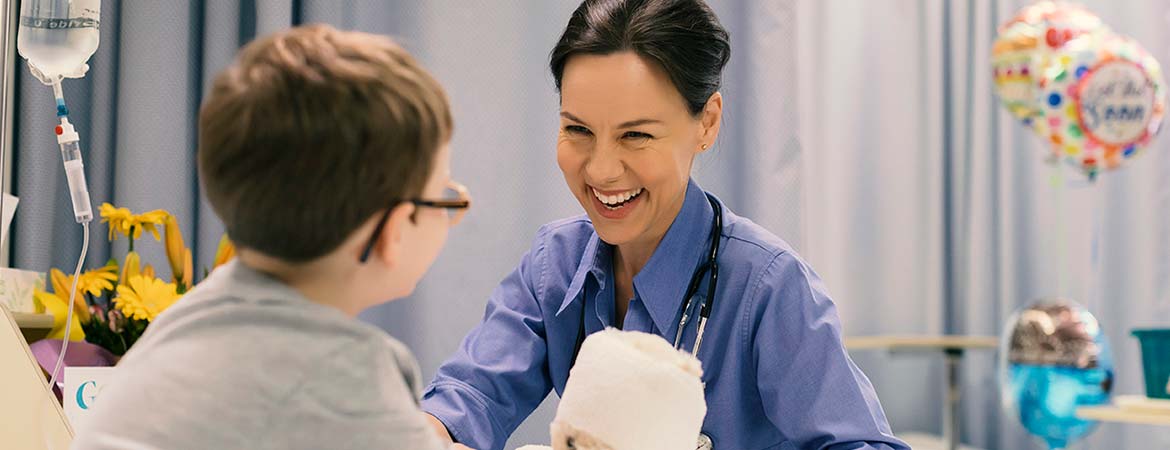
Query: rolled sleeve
[500,373]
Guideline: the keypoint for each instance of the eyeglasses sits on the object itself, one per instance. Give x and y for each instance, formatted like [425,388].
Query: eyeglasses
[456,201]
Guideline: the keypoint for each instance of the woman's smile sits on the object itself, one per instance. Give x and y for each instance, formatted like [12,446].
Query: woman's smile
[615,204]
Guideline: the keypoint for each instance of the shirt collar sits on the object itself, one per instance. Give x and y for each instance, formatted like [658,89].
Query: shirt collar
[250,284]
[595,262]
[663,281]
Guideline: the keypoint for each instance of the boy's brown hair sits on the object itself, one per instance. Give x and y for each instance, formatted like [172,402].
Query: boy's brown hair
[312,131]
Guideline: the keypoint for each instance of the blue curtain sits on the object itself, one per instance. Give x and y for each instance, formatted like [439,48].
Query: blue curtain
[864,133]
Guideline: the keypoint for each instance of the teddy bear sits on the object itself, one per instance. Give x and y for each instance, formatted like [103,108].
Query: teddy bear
[629,391]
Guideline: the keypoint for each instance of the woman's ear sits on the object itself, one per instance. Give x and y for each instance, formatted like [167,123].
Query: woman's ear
[710,119]
[388,247]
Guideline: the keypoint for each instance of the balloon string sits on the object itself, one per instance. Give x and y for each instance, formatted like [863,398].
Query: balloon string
[1058,186]
[1097,211]
[1163,259]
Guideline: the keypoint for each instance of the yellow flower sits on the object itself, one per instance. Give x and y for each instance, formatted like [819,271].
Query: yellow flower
[125,223]
[94,282]
[61,285]
[131,267]
[55,305]
[175,248]
[116,217]
[145,297]
[225,252]
[97,281]
[188,269]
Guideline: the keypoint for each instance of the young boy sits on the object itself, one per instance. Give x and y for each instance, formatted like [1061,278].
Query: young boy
[326,155]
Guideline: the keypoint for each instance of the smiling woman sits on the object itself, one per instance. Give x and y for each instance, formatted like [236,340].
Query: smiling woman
[639,83]
[626,131]
[627,144]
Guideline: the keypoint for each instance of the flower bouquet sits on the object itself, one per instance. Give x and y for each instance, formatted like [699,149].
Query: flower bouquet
[116,302]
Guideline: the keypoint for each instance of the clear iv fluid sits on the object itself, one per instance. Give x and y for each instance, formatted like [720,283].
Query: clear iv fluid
[57,37]
[75,174]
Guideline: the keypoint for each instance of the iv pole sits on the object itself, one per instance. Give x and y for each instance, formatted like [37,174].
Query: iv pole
[7,45]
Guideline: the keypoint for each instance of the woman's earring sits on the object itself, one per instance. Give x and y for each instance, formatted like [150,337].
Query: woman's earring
[704,146]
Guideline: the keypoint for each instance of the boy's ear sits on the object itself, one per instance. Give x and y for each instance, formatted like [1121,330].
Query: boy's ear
[389,245]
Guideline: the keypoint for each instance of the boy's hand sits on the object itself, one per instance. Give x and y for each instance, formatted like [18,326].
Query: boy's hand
[441,430]
[444,435]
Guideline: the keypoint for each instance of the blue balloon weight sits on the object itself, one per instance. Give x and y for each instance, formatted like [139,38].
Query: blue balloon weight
[1054,360]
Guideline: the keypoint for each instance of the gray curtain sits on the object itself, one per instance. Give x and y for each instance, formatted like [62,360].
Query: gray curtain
[135,111]
[935,213]
[862,132]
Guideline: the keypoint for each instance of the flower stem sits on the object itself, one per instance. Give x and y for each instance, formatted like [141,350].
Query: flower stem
[131,237]
[124,346]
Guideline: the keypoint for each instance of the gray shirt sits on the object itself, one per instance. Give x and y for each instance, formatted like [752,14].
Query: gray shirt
[244,361]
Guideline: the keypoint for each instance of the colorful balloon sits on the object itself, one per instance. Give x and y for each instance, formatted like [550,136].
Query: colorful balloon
[1024,45]
[1054,359]
[1102,100]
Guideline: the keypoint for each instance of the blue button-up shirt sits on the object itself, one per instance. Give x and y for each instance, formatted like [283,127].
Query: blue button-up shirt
[776,373]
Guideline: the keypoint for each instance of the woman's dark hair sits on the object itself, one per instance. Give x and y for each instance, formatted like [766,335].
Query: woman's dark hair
[683,36]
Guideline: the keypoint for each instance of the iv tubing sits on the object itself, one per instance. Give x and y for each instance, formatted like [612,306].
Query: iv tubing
[70,306]
[62,113]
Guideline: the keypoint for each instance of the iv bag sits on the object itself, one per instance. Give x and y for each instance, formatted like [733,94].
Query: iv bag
[57,37]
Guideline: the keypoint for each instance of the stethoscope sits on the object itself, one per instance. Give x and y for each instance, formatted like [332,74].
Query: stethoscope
[711,269]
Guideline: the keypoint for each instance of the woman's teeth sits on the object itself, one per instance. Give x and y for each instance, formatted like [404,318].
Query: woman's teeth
[618,200]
